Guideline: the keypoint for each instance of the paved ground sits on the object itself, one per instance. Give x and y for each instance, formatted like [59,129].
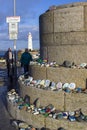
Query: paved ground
[4,115]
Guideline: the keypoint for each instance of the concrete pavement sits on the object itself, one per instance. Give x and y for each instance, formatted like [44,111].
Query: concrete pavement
[4,115]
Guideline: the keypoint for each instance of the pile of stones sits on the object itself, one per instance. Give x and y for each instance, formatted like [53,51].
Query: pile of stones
[46,84]
[66,63]
[47,111]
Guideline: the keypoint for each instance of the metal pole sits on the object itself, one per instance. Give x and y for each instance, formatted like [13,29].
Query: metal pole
[14,8]
[15,67]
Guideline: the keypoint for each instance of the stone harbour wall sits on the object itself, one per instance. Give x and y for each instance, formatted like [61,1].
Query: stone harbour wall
[60,74]
[63,33]
[39,121]
[61,100]
[75,101]
[63,36]
[45,97]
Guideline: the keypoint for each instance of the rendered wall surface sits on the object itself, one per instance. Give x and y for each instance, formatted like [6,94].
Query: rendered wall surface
[69,19]
[34,120]
[38,72]
[75,101]
[85,17]
[71,102]
[46,20]
[74,53]
[45,97]
[62,31]
[62,74]
[64,38]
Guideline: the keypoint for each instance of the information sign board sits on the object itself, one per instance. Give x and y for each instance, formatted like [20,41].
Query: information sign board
[14,19]
[13,27]
[12,36]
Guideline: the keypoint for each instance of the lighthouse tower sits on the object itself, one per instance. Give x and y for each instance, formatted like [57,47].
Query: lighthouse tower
[30,46]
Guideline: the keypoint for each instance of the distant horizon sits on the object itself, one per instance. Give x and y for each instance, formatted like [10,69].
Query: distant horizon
[20,44]
[29,13]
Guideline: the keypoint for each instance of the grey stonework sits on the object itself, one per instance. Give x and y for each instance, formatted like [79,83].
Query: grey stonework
[63,33]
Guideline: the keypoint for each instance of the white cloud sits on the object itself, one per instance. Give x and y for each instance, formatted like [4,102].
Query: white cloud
[25,26]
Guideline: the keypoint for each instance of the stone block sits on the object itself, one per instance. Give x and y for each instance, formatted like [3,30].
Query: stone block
[75,4]
[38,72]
[54,124]
[77,126]
[75,101]
[64,38]
[47,39]
[23,90]
[69,38]
[31,119]
[85,17]
[69,19]
[24,116]
[46,97]
[46,22]
[76,54]
[43,52]
[38,121]
[64,75]
[12,109]
[52,97]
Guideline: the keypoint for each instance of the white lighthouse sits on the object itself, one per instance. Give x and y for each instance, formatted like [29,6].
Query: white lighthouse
[30,46]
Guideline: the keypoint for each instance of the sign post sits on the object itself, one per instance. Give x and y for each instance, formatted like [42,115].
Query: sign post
[13,31]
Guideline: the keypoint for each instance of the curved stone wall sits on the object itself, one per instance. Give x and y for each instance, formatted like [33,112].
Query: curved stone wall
[60,100]
[60,74]
[63,33]
[41,121]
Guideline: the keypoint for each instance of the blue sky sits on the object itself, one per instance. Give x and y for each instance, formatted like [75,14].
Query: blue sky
[29,12]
